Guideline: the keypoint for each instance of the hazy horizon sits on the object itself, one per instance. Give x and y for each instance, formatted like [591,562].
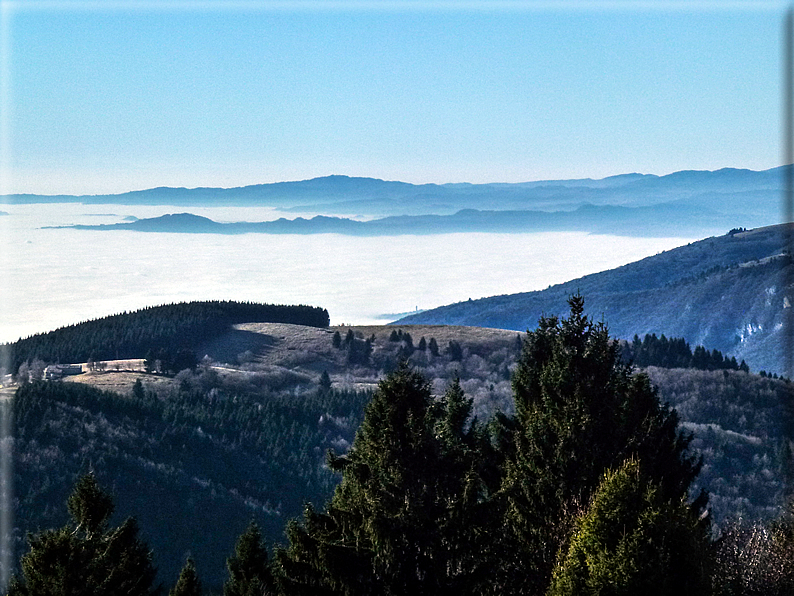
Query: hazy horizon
[660,175]
[101,98]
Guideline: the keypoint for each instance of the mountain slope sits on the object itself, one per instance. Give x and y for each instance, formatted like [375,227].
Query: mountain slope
[132,335]
[729,293]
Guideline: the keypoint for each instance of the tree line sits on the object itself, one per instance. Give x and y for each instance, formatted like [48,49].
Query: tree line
[360,350]
[676,353]
[168,327]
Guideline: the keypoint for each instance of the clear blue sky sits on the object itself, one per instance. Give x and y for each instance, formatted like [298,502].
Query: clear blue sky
[113,96]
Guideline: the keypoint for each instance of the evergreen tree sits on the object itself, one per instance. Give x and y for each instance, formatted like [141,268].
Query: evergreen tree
[337,340]
[359,351]
[433,346]
[188,583]
[422,345]
[408,340]
[631,540]
[325,382]
[716,360]
[148,362]
[701,358]
[454,351]
[138,391]
[405,518]
[405,352]
[89,506]
[87,557]
[249,574]
[579,412]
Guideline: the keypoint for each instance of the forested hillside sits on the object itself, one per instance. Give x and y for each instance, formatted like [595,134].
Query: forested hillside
[244,436]
[728,293]
[131,335]
[743,427]
[194,464]
[232,440]
[430,501]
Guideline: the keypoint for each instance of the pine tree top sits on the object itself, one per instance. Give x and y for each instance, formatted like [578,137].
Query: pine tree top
[188,583]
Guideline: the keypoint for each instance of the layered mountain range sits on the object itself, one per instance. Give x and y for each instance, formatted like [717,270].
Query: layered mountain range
[640,204]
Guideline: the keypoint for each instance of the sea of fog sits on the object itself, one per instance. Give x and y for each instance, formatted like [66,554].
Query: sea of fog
[56,277]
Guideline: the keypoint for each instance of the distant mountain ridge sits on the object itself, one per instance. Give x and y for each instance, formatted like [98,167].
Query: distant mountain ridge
[664,219]
[729,292]
[752,198]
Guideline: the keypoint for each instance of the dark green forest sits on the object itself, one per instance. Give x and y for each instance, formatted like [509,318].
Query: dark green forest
[676,353]
[208,456]
[589,485]
[170,327]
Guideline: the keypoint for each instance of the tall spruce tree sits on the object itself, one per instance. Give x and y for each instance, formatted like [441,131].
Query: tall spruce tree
[325,382]
[433,346]
[87,556]
[188,583]
[404,519]
[249,573]
[579,412]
